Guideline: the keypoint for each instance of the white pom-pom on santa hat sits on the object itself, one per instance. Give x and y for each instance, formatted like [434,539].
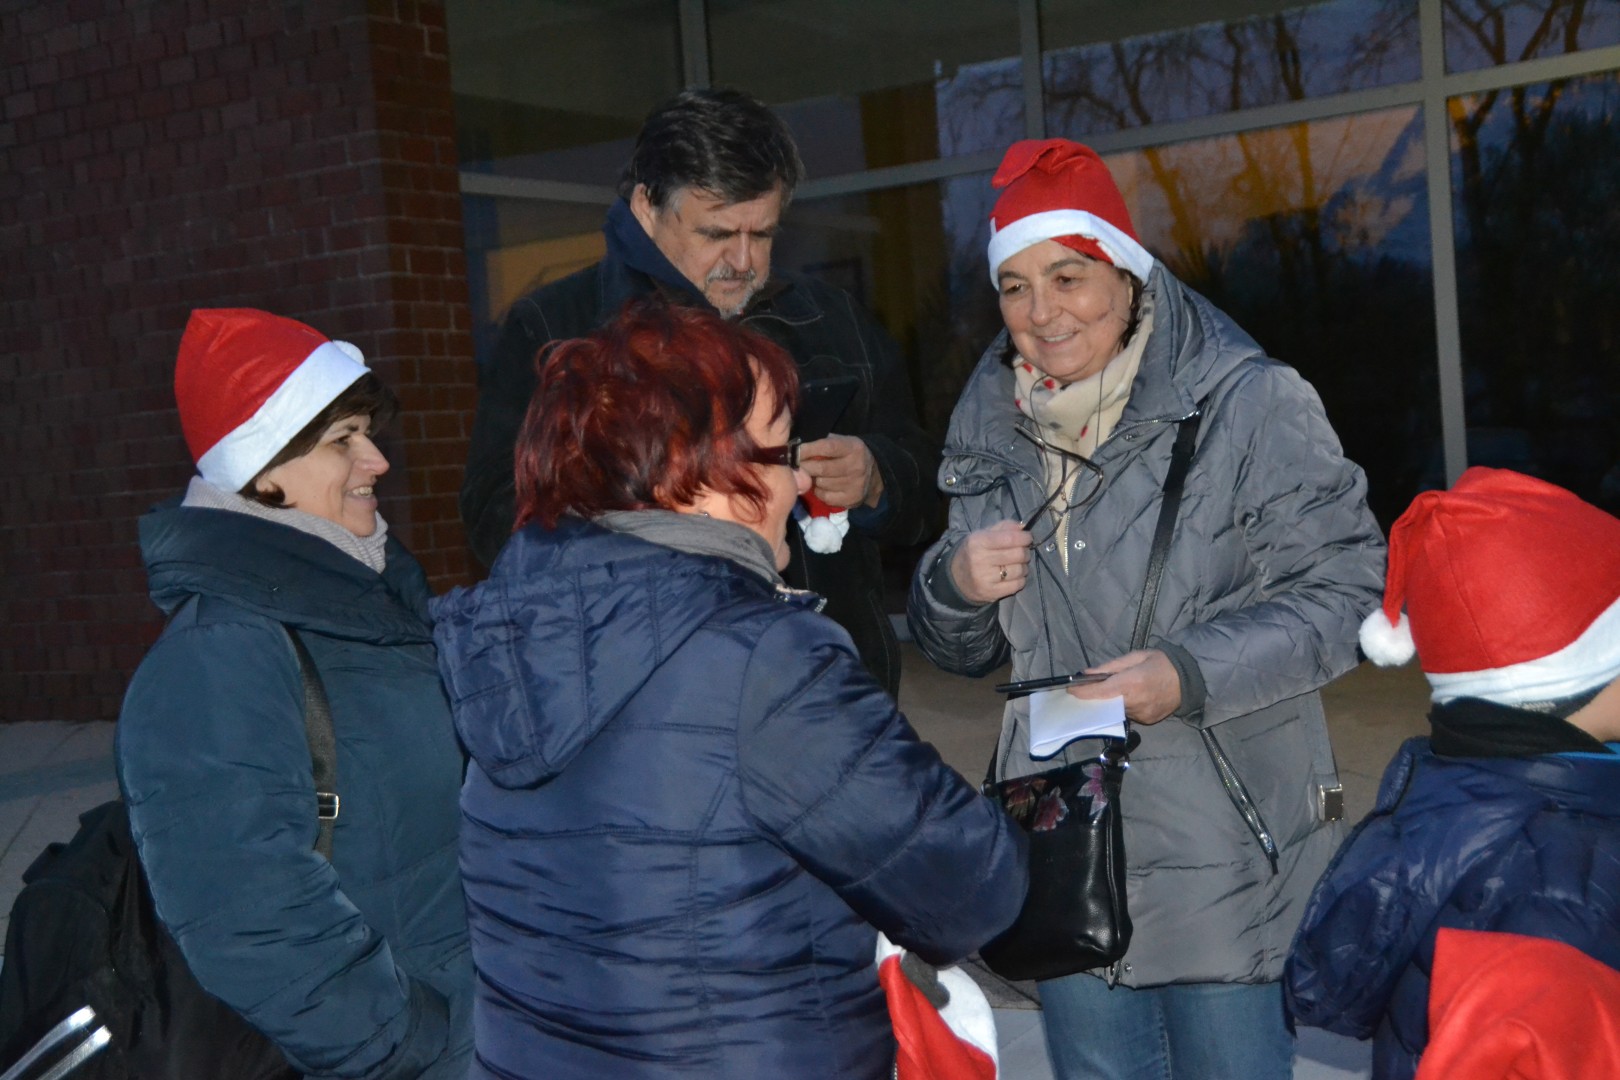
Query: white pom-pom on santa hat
[1386,645]
[247,382]
[824,526]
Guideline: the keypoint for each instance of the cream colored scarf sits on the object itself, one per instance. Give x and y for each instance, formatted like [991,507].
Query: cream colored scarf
[1079,416]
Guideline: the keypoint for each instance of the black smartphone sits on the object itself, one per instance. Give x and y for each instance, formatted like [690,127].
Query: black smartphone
[821,403]
[1035,686]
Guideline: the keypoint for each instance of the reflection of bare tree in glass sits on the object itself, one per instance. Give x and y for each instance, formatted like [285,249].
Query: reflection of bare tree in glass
[1285,228]
[1536,179]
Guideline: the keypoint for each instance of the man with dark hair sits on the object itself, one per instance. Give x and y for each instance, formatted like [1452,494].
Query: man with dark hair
[700,203]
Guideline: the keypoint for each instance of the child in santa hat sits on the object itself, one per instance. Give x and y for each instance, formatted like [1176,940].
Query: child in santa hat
[1507,818]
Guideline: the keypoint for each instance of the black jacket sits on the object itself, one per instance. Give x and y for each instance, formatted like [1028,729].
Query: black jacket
[826,334]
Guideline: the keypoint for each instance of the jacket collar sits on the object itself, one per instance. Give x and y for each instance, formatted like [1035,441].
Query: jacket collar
[281,573]
[634,267]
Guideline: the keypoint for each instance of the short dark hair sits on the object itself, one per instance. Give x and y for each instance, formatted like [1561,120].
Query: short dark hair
[367,396]
[646,413]
[721,141]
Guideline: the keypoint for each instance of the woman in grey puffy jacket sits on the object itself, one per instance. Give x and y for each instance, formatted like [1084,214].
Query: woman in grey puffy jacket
[1056,461]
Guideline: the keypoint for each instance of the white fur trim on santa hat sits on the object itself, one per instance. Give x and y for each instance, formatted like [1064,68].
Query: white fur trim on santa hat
[1386,645]
[968,1013]
[1590,661]
[1031,229]
[313,385]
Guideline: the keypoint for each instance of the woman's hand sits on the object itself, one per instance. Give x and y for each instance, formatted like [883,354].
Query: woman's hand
[992,563]
[1145,679]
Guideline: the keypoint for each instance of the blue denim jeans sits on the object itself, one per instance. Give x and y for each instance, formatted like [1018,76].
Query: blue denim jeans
[1196,1031]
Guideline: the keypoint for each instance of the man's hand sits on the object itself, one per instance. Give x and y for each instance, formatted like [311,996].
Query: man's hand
[991,563]
[1145,679]
[842,471]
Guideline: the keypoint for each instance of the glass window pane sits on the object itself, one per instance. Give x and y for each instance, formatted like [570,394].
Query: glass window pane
[1109,68]
[516,245]
[1486,33]
[892,251]
[556,90]
[874,84]
[1536,172]
[1315,239]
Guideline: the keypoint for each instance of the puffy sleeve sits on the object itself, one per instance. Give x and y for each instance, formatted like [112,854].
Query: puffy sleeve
[505,385]
[1301,509]
[1366,918]
[955,634]
[215,768]
[906,456]
[835,774]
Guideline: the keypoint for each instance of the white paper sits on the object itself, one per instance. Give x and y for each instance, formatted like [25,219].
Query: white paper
[1057,718]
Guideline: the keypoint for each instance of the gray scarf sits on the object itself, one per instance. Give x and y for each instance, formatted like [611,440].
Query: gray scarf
[697,535]
[367,549]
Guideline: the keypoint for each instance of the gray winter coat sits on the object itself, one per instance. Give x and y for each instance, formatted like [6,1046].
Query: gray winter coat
[1274,562]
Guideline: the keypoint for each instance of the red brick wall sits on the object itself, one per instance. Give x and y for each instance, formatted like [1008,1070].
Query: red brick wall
[156,157]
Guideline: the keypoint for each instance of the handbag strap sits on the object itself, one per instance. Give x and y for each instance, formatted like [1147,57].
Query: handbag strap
[322,743]
[1116,750]
[1174,480]
[1231,782]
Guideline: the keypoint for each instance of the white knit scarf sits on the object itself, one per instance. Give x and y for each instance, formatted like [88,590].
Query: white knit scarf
[367,549]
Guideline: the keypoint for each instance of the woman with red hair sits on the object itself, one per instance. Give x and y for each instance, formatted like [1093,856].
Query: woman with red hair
[689,808]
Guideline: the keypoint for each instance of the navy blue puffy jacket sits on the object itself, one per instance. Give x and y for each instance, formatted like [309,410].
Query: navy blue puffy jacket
[1519,845]
[358,967]
[689,805]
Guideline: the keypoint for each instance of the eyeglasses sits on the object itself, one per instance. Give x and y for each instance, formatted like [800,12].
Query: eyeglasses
[1091,468]
[778,455]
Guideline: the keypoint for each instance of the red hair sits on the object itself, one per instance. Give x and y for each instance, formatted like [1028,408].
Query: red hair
[645,413]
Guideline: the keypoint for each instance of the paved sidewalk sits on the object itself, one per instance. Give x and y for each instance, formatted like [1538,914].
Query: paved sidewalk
[52,772]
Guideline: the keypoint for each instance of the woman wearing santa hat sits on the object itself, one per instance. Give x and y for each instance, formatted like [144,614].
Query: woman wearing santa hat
[1507,818]
[1056,462]
[355,965]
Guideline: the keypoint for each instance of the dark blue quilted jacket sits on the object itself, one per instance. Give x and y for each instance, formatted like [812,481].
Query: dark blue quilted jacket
[688,808]
[358,967]
[1521,845]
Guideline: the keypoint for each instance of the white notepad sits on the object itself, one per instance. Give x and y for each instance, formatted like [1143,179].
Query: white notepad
[1056,718]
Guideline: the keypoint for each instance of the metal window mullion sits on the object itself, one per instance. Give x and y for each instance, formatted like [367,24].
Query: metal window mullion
[1029,49]
[694,24]
[1442,239]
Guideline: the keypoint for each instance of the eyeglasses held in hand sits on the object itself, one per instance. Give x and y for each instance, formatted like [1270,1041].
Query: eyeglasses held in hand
[787,454]
[1092,469]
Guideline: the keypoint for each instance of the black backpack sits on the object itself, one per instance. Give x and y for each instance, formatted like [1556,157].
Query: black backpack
[83,932]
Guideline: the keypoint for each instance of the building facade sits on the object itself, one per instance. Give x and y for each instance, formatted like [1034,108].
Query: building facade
[1414,202]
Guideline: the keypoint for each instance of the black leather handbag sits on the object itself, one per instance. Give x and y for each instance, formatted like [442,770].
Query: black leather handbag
[1075,916]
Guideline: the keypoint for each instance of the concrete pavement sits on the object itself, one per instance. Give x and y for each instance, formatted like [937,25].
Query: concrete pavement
[51,772]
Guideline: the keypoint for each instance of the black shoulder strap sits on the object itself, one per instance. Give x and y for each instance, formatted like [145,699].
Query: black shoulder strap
[1180,462]
[322,743]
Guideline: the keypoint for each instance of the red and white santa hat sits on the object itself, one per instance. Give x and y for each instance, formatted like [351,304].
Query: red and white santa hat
[1056,189]
[955,1041]
[1510,588]
[247,382]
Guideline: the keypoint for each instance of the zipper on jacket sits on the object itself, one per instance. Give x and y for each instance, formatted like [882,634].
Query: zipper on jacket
[1241,799]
